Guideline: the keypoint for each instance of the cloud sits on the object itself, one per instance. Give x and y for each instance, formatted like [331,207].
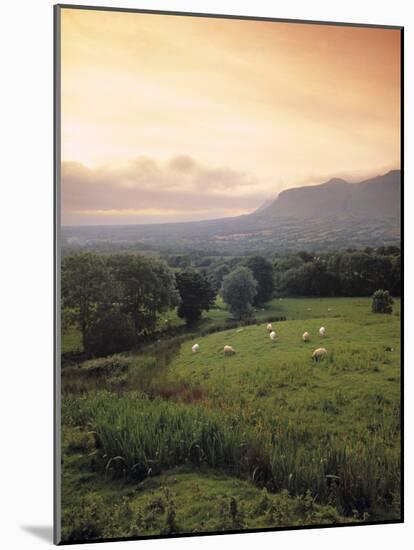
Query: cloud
[147,191]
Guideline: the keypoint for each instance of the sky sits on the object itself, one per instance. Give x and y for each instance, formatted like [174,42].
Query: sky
[175,118]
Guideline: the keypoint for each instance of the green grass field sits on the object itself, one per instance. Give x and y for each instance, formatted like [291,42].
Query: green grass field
[170,441]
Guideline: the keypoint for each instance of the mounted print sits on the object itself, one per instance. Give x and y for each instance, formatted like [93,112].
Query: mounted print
[228,274]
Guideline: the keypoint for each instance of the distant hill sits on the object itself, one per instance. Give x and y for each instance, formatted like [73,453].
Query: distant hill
[375,197]
[332,215]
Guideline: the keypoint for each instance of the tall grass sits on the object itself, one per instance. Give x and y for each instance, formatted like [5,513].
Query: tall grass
[138,437]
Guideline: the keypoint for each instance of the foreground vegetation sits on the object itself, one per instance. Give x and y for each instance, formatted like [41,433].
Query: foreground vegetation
[161,440]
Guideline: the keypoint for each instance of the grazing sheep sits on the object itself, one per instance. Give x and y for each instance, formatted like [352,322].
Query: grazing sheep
[272,335]
[195,348]
[306,336]
[322,332]
[228,350]
[269,327]
[319,354]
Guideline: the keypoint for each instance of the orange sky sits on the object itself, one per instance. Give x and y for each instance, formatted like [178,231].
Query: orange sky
[168,118]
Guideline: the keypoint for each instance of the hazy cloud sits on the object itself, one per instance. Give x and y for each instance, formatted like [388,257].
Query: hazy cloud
[147,191]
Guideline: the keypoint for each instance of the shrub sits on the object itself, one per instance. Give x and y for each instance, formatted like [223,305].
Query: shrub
[114,364]
[382,302]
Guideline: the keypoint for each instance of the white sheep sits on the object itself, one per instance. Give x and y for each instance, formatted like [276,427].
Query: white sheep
[322,332]
[269,327]
[319,354]
[228,350]
[195,348]
[272,335]
[306,336]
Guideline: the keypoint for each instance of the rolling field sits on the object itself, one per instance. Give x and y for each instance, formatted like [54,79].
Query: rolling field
[179,442]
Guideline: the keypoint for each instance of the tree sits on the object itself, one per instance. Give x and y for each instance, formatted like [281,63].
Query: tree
[238,292]
[262,271]
[382,302]
[218,275]
[85,284]
[388,251]
[396,276]
[362,273]
[311,279]
[197,295]
[111,331]
[147,288]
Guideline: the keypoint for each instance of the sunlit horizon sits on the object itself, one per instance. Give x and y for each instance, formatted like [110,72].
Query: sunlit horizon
[173,118]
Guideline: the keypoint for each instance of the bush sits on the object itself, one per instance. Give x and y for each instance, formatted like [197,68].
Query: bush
[112,365]
[382,302]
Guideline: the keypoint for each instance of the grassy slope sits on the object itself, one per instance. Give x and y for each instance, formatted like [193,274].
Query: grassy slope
[268,378]
[276,390]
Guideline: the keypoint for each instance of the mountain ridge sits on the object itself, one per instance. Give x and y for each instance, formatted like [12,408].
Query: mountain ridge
[331,215]
[380,195]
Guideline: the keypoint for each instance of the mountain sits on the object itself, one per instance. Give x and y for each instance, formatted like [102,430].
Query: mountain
[375,197]
[333,215]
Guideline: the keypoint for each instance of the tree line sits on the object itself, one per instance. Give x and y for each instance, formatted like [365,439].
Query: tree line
[341,273]
[117,300]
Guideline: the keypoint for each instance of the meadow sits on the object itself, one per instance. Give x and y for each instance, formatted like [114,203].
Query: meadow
[161,440]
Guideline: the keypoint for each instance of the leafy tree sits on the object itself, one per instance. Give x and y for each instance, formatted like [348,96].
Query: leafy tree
[197,294]
[86,282]
[334,269]
[238,291]
[262,271]
[388,250]
[111,331]
[382,302]
[204,262]
[289,262]
[179,261]
[396,276]
[218,275]
[147,288]
[311,279]
[341,273]
[362,273]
